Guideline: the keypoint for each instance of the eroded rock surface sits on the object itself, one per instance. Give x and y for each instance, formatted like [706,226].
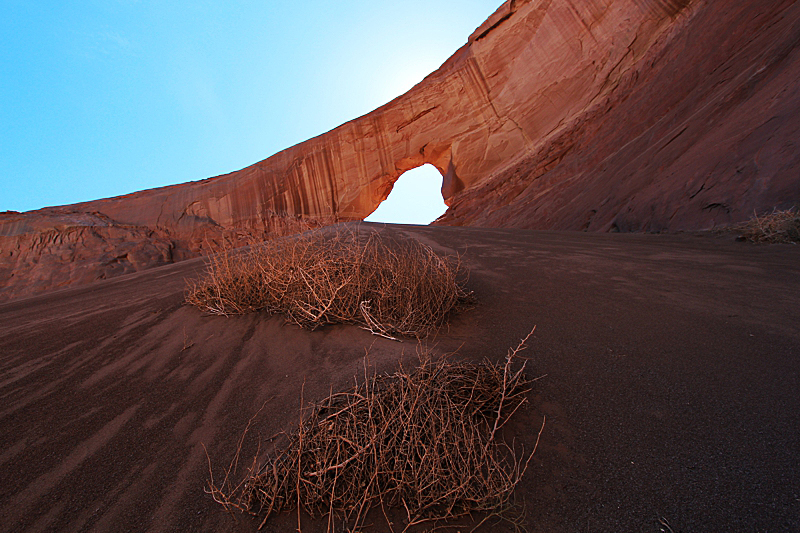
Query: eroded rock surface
[572,114]
[695,127]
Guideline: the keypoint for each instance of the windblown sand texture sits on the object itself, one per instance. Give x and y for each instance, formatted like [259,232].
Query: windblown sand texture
[670,386]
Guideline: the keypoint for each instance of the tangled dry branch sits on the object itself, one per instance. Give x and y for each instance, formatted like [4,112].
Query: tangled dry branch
[425,442]
[776,227]
[387,285]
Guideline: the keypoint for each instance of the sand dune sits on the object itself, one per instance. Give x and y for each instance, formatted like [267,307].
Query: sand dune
[671,367]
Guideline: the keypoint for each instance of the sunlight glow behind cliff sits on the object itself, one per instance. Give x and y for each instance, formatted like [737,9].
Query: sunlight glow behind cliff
[100,99]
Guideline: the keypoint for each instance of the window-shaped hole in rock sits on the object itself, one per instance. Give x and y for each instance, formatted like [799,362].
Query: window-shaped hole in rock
[416,198]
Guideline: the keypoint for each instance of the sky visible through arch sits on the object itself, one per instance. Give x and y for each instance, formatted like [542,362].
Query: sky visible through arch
[416,198]
[106,97]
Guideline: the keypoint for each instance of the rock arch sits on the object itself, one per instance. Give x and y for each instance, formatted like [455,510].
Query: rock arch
[639,115]
[522,76]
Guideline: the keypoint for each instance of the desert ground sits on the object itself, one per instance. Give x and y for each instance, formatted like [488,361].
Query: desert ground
[668,366]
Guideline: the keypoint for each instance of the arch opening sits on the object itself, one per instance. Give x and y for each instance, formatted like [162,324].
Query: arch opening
[416,198]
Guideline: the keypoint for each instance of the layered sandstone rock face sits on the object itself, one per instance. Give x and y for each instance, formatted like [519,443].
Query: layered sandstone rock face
[679,123]
[557,114]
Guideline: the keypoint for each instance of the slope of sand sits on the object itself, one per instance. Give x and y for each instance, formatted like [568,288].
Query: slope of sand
[671,364]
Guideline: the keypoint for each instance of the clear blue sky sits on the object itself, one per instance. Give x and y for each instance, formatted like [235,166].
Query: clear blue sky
[105,97]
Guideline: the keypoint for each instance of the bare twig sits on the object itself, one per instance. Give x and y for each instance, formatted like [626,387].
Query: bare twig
[775,227]
[388,286]
[424,441]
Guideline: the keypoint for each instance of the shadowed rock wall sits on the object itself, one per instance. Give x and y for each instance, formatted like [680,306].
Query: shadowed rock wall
[694,128]
[556,114]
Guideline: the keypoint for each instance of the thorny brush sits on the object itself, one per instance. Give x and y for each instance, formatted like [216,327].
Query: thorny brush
[422,441]
[386,285]
[776,227]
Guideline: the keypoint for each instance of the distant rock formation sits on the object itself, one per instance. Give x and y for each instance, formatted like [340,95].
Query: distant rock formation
[609,115]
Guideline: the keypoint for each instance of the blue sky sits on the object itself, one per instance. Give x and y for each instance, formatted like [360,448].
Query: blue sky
[105,97]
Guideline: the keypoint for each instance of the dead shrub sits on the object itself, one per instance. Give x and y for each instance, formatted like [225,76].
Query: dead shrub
[388,286]
[425,442]
[775,227]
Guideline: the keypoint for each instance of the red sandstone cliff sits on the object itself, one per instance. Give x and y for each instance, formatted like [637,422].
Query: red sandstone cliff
[695,127]
[557,114]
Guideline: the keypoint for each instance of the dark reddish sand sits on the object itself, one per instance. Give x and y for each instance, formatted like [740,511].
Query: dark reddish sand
[672,386]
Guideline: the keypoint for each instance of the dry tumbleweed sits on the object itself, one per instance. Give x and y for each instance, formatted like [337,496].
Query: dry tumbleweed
[423,441]
[386,285]
[776,227]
